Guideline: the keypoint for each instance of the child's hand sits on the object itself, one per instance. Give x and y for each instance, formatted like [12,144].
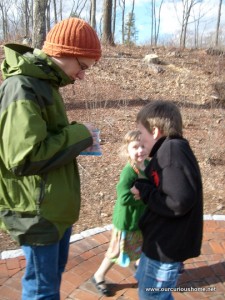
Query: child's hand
[136,193]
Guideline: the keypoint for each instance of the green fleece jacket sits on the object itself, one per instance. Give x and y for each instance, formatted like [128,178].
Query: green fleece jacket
[127,211]
[39,179]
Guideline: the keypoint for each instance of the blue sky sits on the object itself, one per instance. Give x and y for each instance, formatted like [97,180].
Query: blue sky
[170,17]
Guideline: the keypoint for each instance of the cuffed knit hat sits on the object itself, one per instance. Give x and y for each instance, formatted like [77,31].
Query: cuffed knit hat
[72,37]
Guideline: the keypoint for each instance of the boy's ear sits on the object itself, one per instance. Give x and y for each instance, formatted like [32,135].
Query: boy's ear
[156,133]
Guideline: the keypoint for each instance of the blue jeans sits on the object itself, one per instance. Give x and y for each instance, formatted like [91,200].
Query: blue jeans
[155,278]
[44,268]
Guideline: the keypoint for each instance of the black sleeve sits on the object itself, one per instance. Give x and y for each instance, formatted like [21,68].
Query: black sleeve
[175,197]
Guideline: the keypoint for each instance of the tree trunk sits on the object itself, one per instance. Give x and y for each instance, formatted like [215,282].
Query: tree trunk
[93,14]
[218,23]
[55,11]
[131,15]
[48,16]
[187,7]
[159,20]
[114,19]
[122,5]
[152,19]
[107,37]
[4,10]
[26,15]
[39,28]
[60,10]
[155,21]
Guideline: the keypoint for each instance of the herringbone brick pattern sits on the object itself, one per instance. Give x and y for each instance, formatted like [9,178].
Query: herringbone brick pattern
[204,276]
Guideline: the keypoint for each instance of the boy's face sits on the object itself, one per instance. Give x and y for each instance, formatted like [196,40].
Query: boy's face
[148,139]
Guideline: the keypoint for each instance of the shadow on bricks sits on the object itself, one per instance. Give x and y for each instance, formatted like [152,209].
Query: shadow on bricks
[203,276]
[114,287]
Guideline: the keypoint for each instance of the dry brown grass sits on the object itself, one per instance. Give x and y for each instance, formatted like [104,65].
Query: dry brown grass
[111,96]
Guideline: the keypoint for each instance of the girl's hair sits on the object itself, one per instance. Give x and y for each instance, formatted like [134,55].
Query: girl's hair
[130,136]
[162,114]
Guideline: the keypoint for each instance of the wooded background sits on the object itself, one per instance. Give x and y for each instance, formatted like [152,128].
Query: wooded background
[34,18]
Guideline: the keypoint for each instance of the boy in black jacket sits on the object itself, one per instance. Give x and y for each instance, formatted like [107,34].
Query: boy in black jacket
[172,224]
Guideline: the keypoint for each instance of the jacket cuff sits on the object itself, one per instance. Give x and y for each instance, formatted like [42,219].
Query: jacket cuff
[145,188]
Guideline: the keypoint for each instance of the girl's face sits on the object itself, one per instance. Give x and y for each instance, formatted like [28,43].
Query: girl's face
[136,151]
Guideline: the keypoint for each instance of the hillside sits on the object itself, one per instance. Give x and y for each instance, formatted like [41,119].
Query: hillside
[112,94]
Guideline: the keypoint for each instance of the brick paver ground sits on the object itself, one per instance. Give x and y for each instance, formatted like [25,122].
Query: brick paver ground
[204,275]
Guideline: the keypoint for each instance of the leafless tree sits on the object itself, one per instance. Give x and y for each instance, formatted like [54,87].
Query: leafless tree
[218,23]
[77,8]
[187,8]
[114,18]
[60,10]
[197,17]
[130,23]
[122,4]
[55,11]
[15,18]
[27,16]
[4,7]
[107,37]
[155,21]
[93,14]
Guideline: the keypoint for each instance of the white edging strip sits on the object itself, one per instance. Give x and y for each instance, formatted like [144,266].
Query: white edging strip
[214,217]
[89,232]
[11,254]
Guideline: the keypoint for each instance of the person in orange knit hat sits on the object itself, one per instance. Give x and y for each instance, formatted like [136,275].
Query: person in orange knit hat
[69,39]
[39,177]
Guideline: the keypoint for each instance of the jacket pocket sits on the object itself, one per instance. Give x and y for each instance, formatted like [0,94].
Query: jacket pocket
[29,229]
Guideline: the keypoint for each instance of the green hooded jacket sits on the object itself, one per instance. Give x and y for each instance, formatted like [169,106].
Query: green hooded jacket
[127,211]
[39,179]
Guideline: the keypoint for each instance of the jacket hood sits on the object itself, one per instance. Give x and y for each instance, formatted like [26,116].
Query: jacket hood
[23,60]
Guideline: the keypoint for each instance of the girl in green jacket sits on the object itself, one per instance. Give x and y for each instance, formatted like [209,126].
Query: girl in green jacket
[126,240]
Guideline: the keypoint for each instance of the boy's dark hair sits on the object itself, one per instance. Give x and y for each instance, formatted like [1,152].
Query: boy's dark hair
[164,115]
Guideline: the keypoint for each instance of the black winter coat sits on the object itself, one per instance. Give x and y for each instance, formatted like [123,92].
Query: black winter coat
[172,224]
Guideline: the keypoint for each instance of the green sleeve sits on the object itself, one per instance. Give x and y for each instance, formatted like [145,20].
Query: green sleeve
[126,181]
[28,147]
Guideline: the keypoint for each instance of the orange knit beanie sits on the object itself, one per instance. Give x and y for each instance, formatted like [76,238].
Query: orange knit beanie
[72,37]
